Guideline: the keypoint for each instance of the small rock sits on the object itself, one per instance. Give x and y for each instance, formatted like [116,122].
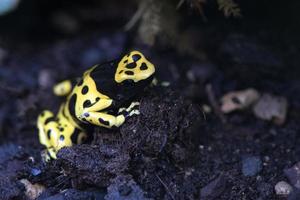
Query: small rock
[35,171]
[282,188]
[213,189]
[271,107]
[238,100]
[293,174]
[251,165]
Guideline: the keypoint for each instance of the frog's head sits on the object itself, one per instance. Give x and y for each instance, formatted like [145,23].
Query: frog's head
[134,67]
[124,78]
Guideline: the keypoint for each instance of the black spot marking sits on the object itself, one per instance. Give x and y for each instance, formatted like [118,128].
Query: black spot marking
[50,119]
[80,82]
[98,98]
[236,100]
[129,73]
[72,103]
[61,137]
[131,65]
[136,57]
[120,72]
[75,135]
[61,129]
[106,123]
[143,66]
[87,103]
[49,134]
[85,90]
[125,61]
[86,114]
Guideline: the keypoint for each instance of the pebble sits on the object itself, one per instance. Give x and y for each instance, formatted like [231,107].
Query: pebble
[293,174]
[265,189]
[251,165]
[282,188]
[271,108]
[35,171]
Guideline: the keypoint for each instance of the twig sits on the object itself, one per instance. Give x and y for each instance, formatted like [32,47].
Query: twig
[213,102]
[166,187]
[11,90]
[137,15]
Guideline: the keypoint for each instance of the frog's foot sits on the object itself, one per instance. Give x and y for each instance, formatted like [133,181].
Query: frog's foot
[63,88]
[43,120]
[132,110]
[108,120]
[50,135]
[48,154]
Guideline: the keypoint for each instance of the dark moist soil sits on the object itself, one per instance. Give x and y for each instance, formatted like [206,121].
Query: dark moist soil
[173,149]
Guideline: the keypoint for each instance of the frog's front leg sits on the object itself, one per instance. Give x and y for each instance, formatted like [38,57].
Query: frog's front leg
[107,120]
[104,119]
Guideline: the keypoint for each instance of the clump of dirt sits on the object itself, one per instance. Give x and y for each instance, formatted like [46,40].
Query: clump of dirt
[152,148]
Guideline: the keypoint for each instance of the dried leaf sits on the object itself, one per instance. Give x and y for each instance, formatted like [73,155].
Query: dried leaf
[229,8]
[32,190]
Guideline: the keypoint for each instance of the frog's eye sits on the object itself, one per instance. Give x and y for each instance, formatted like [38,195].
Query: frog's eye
[134,66]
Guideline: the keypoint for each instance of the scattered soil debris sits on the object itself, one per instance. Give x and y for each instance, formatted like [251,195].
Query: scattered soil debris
[213,189]
[293,175]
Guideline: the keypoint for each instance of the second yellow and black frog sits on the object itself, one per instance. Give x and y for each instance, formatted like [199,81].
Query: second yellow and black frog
[104,96]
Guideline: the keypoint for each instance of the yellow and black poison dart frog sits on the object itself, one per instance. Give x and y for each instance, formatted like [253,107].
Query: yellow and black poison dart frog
[102,97]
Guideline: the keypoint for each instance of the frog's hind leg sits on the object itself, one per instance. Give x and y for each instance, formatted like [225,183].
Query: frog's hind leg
[45,119]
